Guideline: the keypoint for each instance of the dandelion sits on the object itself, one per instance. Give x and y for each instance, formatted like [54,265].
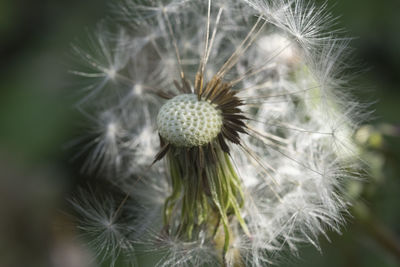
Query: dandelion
[226,124]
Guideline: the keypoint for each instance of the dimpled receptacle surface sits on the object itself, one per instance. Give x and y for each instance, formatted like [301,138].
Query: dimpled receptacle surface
[184,121]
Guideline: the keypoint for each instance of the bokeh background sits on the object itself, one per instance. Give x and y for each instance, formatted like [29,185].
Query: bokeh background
[37,120]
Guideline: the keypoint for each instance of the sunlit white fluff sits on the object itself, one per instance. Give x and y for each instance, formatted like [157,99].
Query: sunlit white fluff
[293,164]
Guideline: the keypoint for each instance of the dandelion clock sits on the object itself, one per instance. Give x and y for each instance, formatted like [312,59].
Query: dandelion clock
[224,129]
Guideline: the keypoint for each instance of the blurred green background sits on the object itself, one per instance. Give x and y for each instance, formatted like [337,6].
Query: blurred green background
[37,120]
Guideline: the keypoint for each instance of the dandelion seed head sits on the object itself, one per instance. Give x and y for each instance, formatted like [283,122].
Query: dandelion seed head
[186,121]
[228,123]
